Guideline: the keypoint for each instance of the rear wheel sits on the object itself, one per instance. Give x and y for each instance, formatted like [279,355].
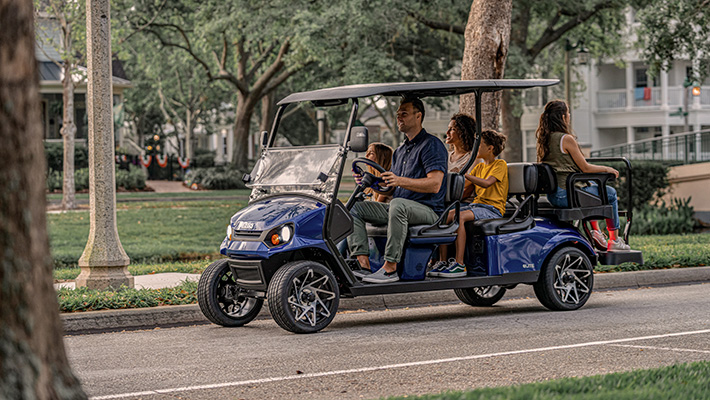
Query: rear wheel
[485,296]
[303,297]
[566,280]
[221,300]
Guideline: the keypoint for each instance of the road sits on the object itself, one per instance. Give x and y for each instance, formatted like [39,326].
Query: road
[403,351]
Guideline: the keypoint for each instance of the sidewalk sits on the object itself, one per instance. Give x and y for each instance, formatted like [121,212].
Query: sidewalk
[149,318]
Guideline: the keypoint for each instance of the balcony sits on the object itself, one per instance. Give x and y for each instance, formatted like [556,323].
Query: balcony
[616,99]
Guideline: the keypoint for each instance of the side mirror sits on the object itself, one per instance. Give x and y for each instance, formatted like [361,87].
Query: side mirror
[358,139]
[264,139]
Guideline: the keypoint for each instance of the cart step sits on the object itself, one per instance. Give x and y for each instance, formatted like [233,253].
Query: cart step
[620,257]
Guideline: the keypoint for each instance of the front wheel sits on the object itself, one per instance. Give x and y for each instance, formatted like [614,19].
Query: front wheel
[221,300]
[303,297]
[566,280]
[485,296]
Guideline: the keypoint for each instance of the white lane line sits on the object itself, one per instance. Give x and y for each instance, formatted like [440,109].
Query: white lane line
[392,366]
[662,348]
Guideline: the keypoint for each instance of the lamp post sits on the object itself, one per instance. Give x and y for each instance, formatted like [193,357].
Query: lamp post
[582,59]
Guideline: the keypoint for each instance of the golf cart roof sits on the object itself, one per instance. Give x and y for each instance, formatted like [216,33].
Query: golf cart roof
[341,94]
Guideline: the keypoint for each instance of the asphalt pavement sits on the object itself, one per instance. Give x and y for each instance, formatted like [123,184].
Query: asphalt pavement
[168,316]
[401,351]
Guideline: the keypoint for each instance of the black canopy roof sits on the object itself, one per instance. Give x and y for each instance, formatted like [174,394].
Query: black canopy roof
[419,89]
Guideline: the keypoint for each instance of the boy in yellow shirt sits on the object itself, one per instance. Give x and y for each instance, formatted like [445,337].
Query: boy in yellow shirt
[489,178]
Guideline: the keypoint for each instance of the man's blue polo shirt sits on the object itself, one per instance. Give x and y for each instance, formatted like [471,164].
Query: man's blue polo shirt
[414,159]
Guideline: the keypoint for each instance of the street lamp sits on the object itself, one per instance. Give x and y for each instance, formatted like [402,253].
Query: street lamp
[582,59]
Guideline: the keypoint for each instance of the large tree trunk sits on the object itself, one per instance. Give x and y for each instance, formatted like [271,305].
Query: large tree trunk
[68,132]
[511,126]
[242,122]
[487,36]
[33,362]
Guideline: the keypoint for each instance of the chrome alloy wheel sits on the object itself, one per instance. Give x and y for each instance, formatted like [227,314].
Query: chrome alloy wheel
[310,297]
[572,279]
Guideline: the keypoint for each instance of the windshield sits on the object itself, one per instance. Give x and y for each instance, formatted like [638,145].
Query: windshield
[310,170]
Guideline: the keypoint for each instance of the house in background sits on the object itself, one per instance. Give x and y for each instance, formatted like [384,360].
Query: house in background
[51,75]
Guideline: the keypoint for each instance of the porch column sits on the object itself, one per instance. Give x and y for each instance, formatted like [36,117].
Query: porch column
[103,263]
[629,86]
[665,141]
[664,90]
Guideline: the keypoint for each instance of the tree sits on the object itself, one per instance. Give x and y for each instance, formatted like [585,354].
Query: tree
[539,26]
[487,35]
[71,17]
[669,30]
[33,362]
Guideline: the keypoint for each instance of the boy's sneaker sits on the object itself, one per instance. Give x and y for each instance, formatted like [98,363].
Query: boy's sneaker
[453,270]
[438,267]
[599,239]
[618,245]
[381,276]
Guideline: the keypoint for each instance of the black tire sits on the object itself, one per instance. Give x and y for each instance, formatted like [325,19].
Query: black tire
[485,296]
[303,297]
[221,300]
[566,280]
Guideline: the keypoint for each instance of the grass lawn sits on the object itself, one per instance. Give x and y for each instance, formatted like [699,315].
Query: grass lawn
[150,232]
[157,232]
[681,381]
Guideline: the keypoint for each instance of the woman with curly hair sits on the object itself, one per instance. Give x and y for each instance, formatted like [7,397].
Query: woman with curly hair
[558,147]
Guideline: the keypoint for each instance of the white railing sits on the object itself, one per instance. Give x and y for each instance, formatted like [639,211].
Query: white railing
[647,97]
[611,99]
[705,96]
[675,96]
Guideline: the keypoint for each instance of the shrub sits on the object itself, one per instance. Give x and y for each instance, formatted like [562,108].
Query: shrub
[216,178]
[55,156]
[663,219]
[54,180]
[131,179]
[204,158]
[83,299]
[649,183]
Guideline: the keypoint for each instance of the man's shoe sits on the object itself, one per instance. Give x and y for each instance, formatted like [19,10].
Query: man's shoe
[599,239]
[381,276]
[453,270]
[618,245]
[438,267]
[361,273]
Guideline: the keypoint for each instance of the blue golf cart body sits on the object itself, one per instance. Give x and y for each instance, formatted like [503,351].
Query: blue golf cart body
[284,244]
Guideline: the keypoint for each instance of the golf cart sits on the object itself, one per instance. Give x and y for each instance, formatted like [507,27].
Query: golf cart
[283,245]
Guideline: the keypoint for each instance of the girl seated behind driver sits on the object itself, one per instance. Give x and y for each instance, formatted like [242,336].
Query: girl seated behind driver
[489,178]
[382,155]
[557,146]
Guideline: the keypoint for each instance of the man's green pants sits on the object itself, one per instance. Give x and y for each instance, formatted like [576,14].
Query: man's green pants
[398,215]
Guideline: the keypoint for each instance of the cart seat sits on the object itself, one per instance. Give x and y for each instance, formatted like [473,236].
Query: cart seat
[523,185]
[582,205]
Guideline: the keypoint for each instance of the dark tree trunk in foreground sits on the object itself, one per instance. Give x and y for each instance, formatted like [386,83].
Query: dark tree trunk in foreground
[33,363]
[487,35]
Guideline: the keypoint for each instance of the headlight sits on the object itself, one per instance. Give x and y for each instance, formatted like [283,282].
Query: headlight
[279,236]
[230,231]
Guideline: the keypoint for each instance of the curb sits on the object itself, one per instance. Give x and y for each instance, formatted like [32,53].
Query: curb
[169,316]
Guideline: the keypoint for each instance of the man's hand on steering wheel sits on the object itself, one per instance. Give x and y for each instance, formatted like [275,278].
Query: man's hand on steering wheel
[366,179]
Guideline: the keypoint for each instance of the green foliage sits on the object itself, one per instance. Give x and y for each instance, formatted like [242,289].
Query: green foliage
[649,182]
[662,219]
[680,381]
[133,179]
[670,30]
[204,158]
[667,251]
[81,179]
[55,156]
[54,181]
[83,299]
[216,178]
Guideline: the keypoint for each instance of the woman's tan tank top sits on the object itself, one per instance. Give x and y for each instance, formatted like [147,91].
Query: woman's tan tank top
[562,163]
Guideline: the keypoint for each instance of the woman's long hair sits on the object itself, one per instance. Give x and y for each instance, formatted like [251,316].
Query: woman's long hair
[551,120]
[466,126]
[383,156]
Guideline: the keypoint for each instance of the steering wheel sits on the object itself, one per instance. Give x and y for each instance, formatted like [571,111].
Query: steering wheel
[368,179]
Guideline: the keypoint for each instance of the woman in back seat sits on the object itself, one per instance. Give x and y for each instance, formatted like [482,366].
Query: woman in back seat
[558,147]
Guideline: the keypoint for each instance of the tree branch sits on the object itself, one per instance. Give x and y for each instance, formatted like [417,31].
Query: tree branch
[144,26]
[552,34]
[442,26]
[273,69]
[260,61]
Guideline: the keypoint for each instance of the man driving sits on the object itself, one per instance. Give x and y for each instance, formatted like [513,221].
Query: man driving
[419,168]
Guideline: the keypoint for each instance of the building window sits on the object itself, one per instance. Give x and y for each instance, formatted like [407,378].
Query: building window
[224,145]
